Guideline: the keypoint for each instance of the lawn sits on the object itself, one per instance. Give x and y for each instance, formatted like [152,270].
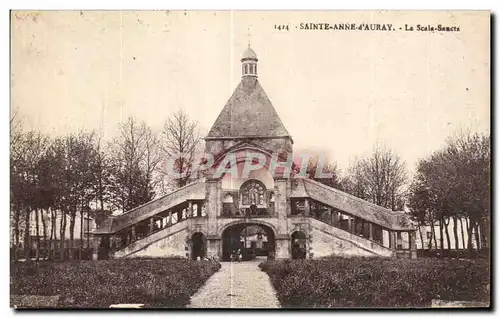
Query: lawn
[375,282]
[98,284]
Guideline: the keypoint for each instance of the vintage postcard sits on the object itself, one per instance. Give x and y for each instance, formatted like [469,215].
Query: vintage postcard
[250,159]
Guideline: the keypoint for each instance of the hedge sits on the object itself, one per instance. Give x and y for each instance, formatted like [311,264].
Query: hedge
[374,282]
[98,284]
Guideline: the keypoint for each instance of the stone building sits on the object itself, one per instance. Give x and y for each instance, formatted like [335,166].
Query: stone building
[249,183]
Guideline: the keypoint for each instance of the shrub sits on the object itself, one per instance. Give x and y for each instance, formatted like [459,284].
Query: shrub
[98,284]
[374,282]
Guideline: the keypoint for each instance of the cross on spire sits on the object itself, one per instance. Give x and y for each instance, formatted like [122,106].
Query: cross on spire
[248,36]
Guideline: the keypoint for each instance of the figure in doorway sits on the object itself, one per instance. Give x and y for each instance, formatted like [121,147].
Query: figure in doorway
[239,255]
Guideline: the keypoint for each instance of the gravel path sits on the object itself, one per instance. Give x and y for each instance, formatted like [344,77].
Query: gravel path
[236,285]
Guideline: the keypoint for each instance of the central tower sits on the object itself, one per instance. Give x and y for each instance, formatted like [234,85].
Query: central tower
[248,117]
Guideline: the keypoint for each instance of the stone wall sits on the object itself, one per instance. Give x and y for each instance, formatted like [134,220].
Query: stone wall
[328,240]
[171,241]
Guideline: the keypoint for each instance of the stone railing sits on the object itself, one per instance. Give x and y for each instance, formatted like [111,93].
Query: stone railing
[353,205]
[193,191]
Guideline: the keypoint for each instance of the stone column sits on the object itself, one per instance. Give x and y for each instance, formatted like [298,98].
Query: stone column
[151,225]
[169,221]
[370,230]
[190,210]
[132,239]
[281,206]
[307,207]
[335,217]
[282,247]
[392,240]
[213,205]
[397,240]
[213,247]
[349,224]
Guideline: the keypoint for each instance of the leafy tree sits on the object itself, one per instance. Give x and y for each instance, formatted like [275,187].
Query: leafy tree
[456,181]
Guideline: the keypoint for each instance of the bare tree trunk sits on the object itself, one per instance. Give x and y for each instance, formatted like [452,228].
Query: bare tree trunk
[433,231]
[463,234]
[44,230]
[421,236]
[37,231]
[478,242]
[51,235]
[27,247]
[54,230]
[62,235]
[81,233]
[16,232]
[455,234]
[448,242]
[441,238]
[469,234]
[72,221]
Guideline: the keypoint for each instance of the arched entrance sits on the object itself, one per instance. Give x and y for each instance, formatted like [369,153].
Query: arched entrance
[198,246]
[253,239]
[299,245]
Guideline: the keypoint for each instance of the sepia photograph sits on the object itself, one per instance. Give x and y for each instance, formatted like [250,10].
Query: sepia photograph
[250,159]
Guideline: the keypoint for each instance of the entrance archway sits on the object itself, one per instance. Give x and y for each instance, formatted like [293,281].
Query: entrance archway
[299,245]
[198,245]
[257,240]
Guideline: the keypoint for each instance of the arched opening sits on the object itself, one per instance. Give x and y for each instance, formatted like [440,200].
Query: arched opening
[253,240]
[198,245]
[299,245]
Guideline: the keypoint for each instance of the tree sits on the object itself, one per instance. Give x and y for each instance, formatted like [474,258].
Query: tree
[27,149]
[457,182]
[133,160]
[17,166]
[380,179]
[101,184]
[180,144]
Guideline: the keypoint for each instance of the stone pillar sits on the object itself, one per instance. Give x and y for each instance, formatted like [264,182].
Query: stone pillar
[392,240]
[335,217]
[281,206]
[213,247]
[386,239]
[169,221]
[282,247]
[370,230]
[349,224]
[132,239]
[307,207]
[213,205]
[190,210]
[151,225]
[397,241]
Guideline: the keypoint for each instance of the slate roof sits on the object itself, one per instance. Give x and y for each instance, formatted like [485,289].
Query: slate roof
[248,113]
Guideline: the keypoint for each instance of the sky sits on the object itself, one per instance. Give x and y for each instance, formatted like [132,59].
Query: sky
[338,93]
